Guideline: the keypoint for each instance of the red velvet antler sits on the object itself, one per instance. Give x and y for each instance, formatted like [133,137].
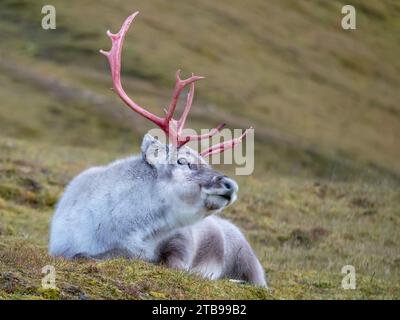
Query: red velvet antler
[221,147]
[171,127]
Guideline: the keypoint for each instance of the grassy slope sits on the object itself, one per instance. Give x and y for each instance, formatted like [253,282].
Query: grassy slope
[303,232]
[323,102]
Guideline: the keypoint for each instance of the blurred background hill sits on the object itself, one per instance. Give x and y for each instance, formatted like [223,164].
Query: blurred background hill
[324,103]
[320,98]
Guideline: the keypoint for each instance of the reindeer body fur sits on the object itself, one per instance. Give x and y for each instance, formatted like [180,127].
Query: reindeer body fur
[100,221]
[214,248]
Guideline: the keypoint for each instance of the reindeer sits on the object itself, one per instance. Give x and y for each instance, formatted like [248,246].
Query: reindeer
[158,206]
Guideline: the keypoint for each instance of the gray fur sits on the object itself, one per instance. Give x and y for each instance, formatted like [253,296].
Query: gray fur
[149,207]
[214,248]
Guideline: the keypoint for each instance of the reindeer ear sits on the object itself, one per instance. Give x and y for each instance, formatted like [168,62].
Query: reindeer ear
[148,139]
[153,152]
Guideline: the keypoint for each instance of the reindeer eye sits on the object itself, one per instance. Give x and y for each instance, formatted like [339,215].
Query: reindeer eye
[182,161]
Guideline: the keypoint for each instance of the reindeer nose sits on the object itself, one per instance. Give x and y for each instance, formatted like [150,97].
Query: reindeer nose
[229,185]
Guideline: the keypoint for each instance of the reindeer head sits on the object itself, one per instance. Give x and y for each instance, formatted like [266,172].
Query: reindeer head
[186,177]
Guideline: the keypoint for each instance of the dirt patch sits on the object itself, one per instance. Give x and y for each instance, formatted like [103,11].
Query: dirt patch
[138,290]
[305,238]
[363,203]
[11,282]
[30,184]
[369,207]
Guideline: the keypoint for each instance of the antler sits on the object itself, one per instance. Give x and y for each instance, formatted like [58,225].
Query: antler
[173,128]
[220,147]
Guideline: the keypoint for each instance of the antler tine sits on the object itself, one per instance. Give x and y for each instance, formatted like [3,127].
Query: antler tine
[182,120]
[195,137]
[179,86]
[114,59]
[189,101]
[220,147]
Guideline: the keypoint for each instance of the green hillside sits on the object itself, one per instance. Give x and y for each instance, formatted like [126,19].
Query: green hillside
[323,102]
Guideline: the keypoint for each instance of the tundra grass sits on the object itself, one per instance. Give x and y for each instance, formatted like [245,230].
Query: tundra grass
[304,232]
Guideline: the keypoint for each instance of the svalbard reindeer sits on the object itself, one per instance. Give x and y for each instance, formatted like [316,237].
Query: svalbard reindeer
[158,206]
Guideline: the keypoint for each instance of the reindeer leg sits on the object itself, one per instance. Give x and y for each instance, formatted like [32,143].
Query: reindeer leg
[175,251]
[247,268]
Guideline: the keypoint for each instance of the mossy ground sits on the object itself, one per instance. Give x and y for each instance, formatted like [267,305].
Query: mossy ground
[303,231]
[324,103]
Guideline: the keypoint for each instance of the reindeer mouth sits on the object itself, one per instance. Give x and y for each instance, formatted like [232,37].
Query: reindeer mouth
[226,196]
[215,202]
